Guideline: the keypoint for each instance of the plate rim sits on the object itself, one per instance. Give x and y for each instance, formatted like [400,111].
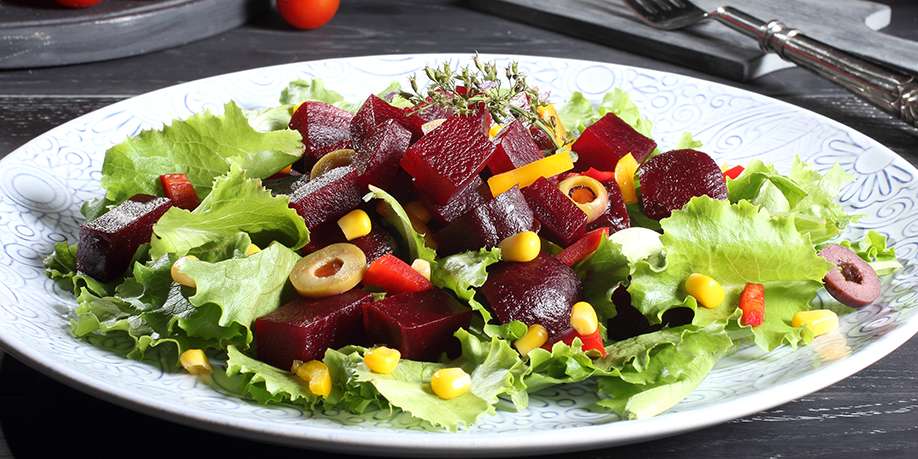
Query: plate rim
[503,444]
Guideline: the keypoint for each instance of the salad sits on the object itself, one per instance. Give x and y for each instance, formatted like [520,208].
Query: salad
[444,249]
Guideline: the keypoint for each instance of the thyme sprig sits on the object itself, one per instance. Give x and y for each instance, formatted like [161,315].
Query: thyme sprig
[506,96]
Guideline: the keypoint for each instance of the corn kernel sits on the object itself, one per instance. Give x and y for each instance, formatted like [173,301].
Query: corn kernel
[180,277]
[417,211]
[524,246]
[252,249]
[495,129]
[194,361]
[449,383]
[818,321]
[625,169]
[382,360]
[422,266]
[354,224]
[583,318]
[705,289]
[534,338]
[316,376]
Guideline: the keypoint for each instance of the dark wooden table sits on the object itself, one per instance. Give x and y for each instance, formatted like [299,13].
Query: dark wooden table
[874,412]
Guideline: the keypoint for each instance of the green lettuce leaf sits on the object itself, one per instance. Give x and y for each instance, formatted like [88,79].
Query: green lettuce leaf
[236,204]
[811,197]
[562,365]
[231,294]
[578,113]
[399,220]
[60,266]
[734,244]
[658,370]
[265,383]
[298,91]
[463,273]
[873,249]
[686,141]
[203,146]
[271,118]
[601,273]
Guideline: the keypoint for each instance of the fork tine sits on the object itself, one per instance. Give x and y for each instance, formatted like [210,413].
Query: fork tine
[667,14]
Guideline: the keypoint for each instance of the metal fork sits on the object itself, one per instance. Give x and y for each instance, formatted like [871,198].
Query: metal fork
[893,92]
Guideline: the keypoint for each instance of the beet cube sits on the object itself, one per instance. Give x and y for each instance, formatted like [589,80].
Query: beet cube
[515,148]
[487,224]
[447,158]
[541,291]
[561,219]
[107,244]
[616,215]
[472,195]
[373,113]
[376,244]
[602,144]
[542,139]
[671,179]
[324,128]
[420,325]
[327,197]
[378,163]
[304,328]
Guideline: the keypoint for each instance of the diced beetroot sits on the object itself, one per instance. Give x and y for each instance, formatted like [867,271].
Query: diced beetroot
[377,163]
[304,328]
[327,197]
[541,138]
[472,195]
[670,180]
[487,224]
[607,140]
[324,128]
[374,245]
[616,215]
[420,325]
[561,219]
[372,114]
[541,291]
[107,244]
[447,158]
[515,148]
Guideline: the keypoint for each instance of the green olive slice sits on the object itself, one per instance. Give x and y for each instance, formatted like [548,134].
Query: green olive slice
[329,271]
[332,160]
[589,195]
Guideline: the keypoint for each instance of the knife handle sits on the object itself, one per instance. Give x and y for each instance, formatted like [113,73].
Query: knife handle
[893,92]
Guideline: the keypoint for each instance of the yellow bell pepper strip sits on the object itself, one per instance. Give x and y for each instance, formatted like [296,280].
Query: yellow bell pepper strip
[549,115]
[625,169]
[526,175]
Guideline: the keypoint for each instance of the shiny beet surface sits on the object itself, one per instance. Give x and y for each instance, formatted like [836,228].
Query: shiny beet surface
[515,148]
[671,179]
[616,215]
[420,325]
[447,158]
[327,197]
[304,328]
[107,244]
[378,162]
[324,128]
[371,115]
[541,291]
[475,193]
[487,224]
[562,221]
[603,143]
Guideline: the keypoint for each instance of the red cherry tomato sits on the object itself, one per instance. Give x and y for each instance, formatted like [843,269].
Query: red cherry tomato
[77,3]
[307,14]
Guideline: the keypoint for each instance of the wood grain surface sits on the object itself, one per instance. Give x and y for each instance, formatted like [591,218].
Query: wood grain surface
[873,413]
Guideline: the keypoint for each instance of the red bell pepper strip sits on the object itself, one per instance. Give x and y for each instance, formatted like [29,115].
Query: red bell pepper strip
[600,176]
[393,275]
[734,172]
[179,189]
[582,248]
[591,342]
[752,303]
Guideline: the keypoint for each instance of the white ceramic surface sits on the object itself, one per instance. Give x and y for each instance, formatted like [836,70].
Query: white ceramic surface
[43,183]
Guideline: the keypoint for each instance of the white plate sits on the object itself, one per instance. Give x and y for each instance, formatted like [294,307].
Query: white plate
[43,183]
